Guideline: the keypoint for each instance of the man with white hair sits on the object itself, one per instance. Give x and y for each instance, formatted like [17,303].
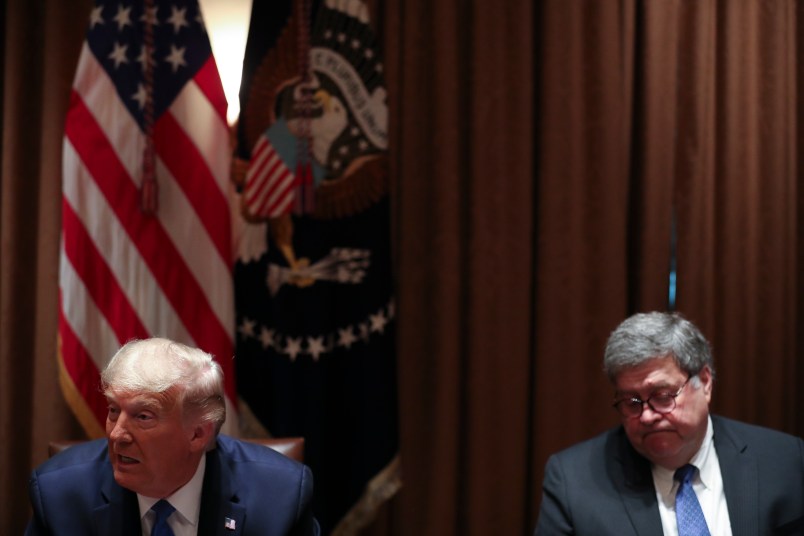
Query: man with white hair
[163,468]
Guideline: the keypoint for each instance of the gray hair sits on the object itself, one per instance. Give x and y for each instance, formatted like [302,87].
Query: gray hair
[645,336]
[157,365]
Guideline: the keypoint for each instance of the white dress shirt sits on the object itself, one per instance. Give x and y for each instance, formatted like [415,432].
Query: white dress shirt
[187,502]
[708,487]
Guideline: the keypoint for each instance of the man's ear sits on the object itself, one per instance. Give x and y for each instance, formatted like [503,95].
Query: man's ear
[707,381]
[201,436]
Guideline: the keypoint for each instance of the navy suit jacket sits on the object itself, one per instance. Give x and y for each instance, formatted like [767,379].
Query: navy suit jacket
[604,487]
[264,492]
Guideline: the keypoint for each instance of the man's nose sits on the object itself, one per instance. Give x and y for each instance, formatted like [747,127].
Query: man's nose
[119,432]
[649,415]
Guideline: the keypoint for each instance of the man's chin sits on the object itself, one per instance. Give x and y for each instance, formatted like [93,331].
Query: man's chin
[124,479]
[659,445]
[137,485]
[127,475]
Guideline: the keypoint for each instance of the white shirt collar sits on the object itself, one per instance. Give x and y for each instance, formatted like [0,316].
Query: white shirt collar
[703,460]
[186,500]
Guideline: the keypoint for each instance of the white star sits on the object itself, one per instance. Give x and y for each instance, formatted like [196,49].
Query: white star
[96,17]
[378,68]
[355,43]
[343,149]
[354,131]
[363,145]
[178,18]
[378,322]
[140,96]
[293,348]
[118,55]
[346,337]
[341,38]
[176,57]
[267,337]
[315,345]
[149,16]
[368,53]
[246,329]
[123,17]
[328,34]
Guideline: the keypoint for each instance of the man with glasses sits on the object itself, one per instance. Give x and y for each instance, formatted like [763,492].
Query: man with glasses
[672,468]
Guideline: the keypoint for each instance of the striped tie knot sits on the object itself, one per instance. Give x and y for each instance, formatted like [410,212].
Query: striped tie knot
[163,509]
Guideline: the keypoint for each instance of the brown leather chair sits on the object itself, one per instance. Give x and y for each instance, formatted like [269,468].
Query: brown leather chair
[292,447]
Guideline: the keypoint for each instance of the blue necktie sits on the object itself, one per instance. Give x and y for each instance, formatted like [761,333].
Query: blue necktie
[689,515]
[163,510]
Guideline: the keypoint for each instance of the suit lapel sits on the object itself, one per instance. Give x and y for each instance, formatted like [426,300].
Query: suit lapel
[221,515]
[635,485]
[120,513]
[740,479]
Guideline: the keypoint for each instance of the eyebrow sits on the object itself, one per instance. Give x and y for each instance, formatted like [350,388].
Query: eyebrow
[652,389]
[138,403]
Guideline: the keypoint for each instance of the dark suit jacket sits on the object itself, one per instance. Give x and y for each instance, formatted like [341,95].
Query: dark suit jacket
[603,487]
[265,493]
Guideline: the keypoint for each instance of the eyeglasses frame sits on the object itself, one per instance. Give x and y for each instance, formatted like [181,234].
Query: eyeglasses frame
[647,401]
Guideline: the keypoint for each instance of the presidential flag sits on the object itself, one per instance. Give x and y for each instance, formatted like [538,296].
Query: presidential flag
[146,232]
[314,304]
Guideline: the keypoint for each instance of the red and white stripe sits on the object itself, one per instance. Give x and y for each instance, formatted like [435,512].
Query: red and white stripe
[125,274]
[270,185]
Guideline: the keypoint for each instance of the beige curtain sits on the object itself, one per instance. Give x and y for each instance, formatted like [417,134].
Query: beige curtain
[541,152]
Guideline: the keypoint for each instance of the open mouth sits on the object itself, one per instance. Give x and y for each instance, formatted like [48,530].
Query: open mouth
[126,460]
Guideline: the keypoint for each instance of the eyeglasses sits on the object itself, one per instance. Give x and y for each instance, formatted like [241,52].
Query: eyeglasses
[661,403]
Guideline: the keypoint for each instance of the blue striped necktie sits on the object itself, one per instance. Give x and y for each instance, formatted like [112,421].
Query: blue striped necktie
[689,516]
[163,510]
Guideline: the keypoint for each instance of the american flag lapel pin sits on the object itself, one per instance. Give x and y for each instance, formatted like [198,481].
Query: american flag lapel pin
[229,523]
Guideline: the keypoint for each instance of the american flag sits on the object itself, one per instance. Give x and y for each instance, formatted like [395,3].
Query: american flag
[126,273]
[270,186]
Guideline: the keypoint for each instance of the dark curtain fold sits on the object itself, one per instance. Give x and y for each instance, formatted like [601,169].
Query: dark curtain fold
[540,152]
[41,44]
[585,233]
[462,123]
[739,235]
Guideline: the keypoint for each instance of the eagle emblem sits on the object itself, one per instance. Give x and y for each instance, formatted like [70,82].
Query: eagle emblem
[315,125]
